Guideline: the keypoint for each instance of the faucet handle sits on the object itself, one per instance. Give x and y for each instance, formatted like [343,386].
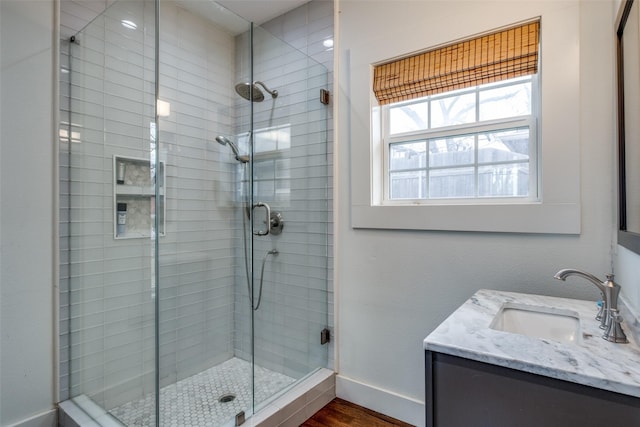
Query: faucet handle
[601,310]
[614,332]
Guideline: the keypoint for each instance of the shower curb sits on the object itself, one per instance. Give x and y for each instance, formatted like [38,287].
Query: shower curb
[299,403]
[83,412]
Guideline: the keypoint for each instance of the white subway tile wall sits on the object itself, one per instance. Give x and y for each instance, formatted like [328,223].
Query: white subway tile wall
[196,254]
[204,317]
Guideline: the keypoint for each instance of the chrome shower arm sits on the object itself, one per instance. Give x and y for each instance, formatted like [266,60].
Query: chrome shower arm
[273,93]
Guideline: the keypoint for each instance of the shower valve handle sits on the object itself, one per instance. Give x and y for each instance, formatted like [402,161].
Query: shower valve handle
[268,221]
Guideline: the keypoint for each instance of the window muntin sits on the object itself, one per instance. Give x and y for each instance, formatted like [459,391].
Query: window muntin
[478,143]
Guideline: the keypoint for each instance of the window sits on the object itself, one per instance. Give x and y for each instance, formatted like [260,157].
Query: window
[460,122]
[477,143]
[558,126]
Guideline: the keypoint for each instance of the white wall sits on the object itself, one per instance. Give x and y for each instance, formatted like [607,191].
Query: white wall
[394,287]
[26,211]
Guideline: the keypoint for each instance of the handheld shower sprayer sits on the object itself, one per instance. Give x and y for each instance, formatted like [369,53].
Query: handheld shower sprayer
[223,140]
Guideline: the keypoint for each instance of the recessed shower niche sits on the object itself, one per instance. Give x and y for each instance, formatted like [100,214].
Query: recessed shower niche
[134,204]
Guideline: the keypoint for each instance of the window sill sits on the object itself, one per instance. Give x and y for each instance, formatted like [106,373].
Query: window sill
[559,218]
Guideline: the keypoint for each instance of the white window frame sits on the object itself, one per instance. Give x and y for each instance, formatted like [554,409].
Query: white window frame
[558,209]
[529,121]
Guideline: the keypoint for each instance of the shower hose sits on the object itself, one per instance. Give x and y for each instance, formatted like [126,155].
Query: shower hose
[246,257]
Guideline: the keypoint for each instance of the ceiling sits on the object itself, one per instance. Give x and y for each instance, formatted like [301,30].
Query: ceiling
[260,11]
[76,14]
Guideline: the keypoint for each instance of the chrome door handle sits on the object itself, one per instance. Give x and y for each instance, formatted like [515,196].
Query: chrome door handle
[268,218]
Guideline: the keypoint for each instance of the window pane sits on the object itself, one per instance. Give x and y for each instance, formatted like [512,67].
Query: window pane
[453,110]
[407,118]
[453,151]
[504,180]
[506,101]
[450,183]
[411,155]
[407,185]
[504,146]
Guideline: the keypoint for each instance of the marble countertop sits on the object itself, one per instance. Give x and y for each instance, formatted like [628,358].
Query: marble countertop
[592,361]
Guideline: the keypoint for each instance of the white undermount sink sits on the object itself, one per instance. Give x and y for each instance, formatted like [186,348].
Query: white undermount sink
[538,322]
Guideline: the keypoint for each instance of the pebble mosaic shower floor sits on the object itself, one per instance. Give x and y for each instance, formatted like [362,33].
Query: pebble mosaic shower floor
[194,401]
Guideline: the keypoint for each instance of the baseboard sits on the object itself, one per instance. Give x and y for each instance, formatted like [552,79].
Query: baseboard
[45,419]
[386,402]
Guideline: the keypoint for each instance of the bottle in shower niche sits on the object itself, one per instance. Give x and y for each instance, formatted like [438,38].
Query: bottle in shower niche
[121,167]
[121,228]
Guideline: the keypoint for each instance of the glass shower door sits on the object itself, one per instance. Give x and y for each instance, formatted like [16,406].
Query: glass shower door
[290,175]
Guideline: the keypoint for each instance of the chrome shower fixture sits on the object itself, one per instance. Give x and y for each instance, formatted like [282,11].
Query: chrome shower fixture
[223,140]
[249,91]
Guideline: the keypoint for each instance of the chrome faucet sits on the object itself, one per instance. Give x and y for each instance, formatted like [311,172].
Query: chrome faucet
[603,313]
[608,315]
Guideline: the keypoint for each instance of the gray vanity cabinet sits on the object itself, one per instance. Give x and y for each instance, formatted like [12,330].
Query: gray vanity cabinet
[466,393]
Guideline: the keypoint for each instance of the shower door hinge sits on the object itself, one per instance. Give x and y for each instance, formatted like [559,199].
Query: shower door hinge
[240,418]
[325,336]
[324,96]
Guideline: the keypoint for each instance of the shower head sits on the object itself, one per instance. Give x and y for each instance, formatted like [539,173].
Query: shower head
[251,92]
[223,140]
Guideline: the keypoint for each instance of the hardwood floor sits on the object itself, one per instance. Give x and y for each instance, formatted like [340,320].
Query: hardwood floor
[340,413]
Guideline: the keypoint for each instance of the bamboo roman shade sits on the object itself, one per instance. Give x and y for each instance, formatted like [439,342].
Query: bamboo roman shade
[502,55]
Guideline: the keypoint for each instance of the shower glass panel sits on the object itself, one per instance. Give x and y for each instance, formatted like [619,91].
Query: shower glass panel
[198,240]
[201,380]
[111,88]
[290,175]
